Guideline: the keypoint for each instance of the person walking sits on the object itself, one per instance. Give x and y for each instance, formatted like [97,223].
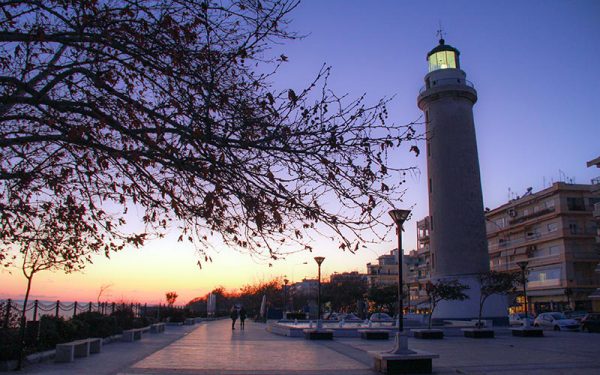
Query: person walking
[234,316]
[242,317]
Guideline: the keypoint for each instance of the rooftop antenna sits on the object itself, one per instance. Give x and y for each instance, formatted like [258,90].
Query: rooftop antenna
[440,32]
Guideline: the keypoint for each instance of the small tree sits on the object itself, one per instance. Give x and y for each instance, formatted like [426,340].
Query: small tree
[171,298]
[493,282]
[383,296]
[344,294]
[444,290]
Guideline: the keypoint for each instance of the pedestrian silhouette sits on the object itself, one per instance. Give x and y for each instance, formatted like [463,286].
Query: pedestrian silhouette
[234,316]
[242,317]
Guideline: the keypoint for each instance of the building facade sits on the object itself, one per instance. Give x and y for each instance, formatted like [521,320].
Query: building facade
[595,296]
[385,271]
[554,231]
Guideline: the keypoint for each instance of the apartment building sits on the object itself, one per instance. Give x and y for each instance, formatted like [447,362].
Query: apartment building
[595,296]
[415,271]
[384,271]
[348,277]
[554,231]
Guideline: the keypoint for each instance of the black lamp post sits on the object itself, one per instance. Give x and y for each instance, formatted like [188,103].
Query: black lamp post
[319,260]
[399,217]
[285,283]
[523,266]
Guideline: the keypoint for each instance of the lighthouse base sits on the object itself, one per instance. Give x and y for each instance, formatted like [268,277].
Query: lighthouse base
[495,307]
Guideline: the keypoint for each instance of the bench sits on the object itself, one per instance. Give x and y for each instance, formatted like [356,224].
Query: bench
[157,328]
[130,335]
[189,321]
[67,352]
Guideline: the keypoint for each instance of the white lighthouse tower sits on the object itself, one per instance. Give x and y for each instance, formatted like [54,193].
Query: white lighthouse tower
[458,241]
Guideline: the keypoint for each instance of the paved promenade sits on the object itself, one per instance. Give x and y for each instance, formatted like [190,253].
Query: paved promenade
[213,348]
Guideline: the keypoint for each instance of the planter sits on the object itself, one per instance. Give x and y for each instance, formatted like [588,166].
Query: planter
[428,334]
[478,333]
[527,332]
[9,365]
[415,362]
[374,335]
[318,334]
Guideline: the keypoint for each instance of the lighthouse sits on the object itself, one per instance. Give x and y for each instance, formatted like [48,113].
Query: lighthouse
[458,244]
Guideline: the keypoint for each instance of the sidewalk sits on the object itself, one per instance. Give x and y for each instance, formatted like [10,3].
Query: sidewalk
[213,348]
[216,349]
[115,356]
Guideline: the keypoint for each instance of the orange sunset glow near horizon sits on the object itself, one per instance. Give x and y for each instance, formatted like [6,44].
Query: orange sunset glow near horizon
[145,275]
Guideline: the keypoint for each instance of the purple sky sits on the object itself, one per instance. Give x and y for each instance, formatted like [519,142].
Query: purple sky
[533,63]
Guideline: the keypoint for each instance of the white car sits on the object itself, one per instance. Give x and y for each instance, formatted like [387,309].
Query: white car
[557,321]
[518,319]
[381,317]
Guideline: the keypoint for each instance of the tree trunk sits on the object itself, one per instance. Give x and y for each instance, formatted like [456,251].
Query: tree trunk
[481,302]
[23,323]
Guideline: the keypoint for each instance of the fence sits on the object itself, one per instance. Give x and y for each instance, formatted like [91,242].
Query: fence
[36,308]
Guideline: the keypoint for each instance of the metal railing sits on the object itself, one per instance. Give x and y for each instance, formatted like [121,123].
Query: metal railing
[447,82]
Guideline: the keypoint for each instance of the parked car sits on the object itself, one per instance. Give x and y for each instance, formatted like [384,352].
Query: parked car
[331,316]
[557,321]
[518,319]
[350,316]
[577,315]
[381,317]
[591,323]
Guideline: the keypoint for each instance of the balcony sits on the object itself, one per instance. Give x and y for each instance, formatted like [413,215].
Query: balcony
[531,216]
[446,82]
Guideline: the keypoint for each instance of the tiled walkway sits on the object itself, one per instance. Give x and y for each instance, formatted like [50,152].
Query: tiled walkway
[216,349]
[213,348]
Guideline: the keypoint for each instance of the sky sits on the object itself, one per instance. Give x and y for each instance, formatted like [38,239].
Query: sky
[534,65]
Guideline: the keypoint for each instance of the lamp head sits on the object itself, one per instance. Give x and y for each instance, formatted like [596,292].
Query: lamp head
[523,264]
[319,260]
[399,216]
[286,281]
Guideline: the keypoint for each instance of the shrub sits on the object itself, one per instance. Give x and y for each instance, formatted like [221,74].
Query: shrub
[124,317]
[175,315]
[55,330]
[9,344]
[99,325]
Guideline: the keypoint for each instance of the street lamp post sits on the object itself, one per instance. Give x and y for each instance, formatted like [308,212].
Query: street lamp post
[319,260]
[285,283]
[523,266]
[399,217]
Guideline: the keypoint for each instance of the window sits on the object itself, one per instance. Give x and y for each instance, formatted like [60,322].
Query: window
[575,204]
[554,250]
[430,188]
[573,228]
[442,60]
[549,203]
[548,276]
[500,223]
[552,227]
[532,233]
